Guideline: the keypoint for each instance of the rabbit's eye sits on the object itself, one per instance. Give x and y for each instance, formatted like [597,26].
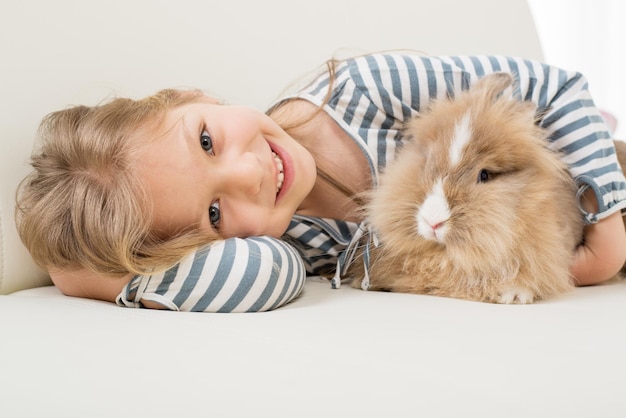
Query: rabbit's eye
[483,176]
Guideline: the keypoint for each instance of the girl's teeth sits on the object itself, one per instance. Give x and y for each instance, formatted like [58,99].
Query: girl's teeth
[281,175]
[281,179]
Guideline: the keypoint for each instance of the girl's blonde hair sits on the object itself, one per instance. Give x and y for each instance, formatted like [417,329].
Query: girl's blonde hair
[83,206]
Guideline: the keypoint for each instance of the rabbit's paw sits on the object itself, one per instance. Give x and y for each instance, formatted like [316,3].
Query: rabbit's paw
[515,295]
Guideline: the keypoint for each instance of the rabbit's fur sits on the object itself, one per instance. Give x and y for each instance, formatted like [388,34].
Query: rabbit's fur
[476,206]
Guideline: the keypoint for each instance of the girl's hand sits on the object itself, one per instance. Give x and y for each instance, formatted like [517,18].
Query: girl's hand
[603,252]
[87,284]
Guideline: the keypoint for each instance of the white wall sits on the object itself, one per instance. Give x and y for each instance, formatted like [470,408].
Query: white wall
[588,36]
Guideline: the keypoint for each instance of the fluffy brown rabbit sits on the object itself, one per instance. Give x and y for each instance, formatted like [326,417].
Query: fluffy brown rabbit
[476,206]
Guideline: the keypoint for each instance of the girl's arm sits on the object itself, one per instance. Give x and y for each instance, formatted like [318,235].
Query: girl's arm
[233,275]
[84,283]
[603,251]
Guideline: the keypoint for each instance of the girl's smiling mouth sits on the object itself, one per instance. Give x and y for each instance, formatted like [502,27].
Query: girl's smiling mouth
[284,169]
[280,176]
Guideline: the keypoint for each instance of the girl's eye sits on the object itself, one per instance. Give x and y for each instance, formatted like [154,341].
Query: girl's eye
[206,142]
[215,214]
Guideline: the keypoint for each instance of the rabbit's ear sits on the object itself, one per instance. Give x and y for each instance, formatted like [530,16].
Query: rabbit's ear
[491,86]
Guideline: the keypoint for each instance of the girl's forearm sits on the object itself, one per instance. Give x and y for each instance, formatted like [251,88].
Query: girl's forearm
[603,252]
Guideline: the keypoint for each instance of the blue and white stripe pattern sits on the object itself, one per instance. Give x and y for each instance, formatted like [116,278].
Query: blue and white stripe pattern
[233,275]
[371,98]
[375,94]
[320,241]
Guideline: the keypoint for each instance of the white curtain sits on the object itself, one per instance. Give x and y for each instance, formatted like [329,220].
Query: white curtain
[588,36]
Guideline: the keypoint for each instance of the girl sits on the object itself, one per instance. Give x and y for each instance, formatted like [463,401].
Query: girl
[178,202]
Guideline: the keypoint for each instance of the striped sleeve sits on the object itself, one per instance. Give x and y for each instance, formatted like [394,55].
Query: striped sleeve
[375,94]
[233,275]
[576,127]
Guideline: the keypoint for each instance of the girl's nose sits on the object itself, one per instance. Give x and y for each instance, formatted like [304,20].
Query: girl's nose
[243,174]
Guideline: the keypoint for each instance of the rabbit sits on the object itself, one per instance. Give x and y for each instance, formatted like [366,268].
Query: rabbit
[476,206]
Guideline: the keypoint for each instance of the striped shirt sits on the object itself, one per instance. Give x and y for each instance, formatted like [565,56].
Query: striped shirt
[233,275]
[371,97]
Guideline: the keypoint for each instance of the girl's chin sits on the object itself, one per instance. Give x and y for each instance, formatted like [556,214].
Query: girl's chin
[277,231]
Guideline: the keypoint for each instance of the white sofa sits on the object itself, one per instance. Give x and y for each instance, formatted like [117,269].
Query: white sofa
[331,353]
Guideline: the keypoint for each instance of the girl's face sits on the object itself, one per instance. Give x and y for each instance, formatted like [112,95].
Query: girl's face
[227,169]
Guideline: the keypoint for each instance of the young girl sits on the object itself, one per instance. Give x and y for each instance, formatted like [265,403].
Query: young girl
[179,202]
